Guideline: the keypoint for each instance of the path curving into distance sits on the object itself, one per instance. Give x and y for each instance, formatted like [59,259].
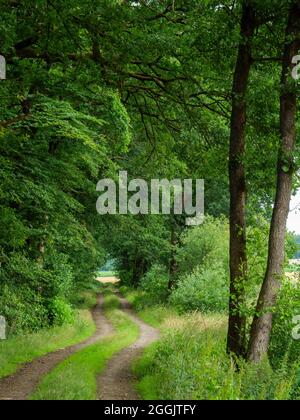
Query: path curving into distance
[23,383]
[117,381]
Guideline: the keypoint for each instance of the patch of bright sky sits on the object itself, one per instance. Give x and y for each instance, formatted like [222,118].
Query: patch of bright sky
[294,217]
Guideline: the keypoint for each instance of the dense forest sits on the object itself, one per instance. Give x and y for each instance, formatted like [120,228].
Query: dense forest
[161,89]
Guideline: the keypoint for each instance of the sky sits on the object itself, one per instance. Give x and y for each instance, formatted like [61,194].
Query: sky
[294,217]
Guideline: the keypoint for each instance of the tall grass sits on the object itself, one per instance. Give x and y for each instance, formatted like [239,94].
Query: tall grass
[21,349]
[190,363]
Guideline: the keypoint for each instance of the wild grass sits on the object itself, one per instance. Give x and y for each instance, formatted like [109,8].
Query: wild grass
[21,349]
[190,362]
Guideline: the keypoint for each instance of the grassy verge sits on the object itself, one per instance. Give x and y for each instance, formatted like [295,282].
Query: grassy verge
[189,362]
[21,349]
[155,315]
[75,378]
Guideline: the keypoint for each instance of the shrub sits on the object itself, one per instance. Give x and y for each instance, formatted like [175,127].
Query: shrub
[33,295]
[60,276]
[155,284]
[204,244]
[206,290]
[61,312]
[284,348]
[23,309]
[124,290]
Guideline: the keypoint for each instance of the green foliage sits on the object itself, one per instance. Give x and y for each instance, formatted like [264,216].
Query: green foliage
[257,251]
[60,312]
[297,255]
[205,244]
[23,310]
[293,268]
[137,242]
[284,349]
[135,297]
[190,363]
[139,86]
[203,268]
[205,289]
[58,133]
[155,285]
[292,245]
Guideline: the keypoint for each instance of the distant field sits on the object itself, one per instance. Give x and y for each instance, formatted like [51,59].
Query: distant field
[106,274]
[107,277]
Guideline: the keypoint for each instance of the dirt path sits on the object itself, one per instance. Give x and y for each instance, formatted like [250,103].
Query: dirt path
[117,381]
[23,383]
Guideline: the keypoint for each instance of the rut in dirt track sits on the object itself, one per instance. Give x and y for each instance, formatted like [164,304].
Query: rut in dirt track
[23,383]
[117,381]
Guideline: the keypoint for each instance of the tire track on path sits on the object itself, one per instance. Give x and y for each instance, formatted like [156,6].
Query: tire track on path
[117,381]
[22,384]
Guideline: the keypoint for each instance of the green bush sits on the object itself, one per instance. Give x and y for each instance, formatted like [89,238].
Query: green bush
[187,364]
[204,244]
[61,312]
[125,277]
[284,348]
[61,278]
[155,284]
[124,290]
[206,290]
[23,309]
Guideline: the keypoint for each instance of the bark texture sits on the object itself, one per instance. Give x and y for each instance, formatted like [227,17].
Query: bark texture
[238,254]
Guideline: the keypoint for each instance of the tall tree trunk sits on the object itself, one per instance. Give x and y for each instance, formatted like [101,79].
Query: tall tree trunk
[262,323]
[238,254]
